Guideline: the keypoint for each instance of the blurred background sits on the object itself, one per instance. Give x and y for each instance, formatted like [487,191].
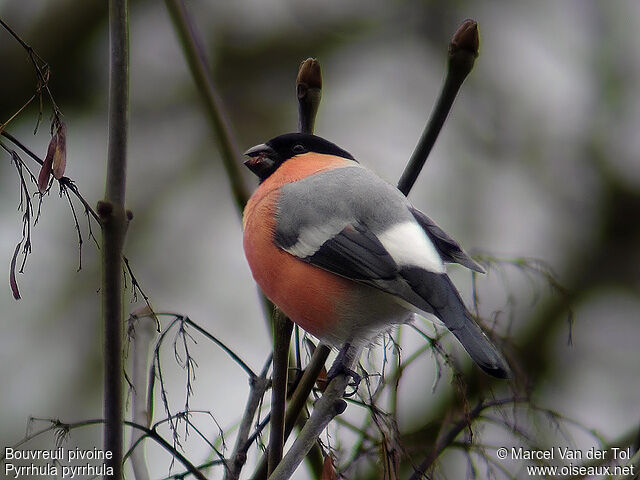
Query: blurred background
[538,159]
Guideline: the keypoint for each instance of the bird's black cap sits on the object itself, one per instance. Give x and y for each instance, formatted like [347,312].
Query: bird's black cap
[267,157]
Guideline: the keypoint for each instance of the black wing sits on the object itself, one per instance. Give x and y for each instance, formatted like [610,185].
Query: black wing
[356,253]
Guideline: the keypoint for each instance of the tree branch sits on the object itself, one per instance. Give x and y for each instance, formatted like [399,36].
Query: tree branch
[309,94]
[259,386]
[463,51]
[142,332]
[114,224]
[325,409]
[298,400]
[282,329]
[196,59]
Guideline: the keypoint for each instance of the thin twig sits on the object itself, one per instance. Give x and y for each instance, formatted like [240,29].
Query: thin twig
[68,183]
[226,349]
[24,148]
[298,400]
[447,438]
[156,371]
[198,65]
[259,386]
[64,191]
[463,50]
[26,207]
[62,429]
[135,285]
[202,466]
[142,331]
[325,409]
[282,329]
[196,59]
[308,93]
[42,72]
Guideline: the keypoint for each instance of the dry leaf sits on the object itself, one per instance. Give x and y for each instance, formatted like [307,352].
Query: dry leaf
[60,153]
[12,274]
[45,170]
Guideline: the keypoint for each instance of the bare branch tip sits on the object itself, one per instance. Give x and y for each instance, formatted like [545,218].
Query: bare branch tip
[310,74]
[466,38]
[309,93]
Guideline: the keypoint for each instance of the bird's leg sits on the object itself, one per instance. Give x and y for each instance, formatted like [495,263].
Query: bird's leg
[342,365]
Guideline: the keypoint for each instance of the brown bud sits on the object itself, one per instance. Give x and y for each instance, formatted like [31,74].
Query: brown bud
[466,38]
[104,209]
[45,170]
[309,93]
[310,74]
[60,153]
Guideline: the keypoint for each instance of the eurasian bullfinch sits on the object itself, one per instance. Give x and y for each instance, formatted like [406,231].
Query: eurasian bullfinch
[344,254]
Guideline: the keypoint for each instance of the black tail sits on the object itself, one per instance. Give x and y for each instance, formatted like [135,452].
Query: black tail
[440,297]
[479,347]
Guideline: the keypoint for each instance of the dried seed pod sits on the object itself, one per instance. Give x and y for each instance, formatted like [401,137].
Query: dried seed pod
[12,273]
[45,170]
[60,153]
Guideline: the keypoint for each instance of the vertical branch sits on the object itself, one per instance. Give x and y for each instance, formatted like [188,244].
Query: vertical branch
[142,331]
[463,51]
[298,400]
[282,328]
[195,57]
[259,385]
[197,62]
[325,409]
[118,101]
[114,224]
[309,93]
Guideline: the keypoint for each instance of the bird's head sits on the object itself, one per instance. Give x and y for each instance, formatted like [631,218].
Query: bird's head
[264,159]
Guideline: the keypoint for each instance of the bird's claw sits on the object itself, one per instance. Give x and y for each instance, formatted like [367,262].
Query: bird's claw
[340,369]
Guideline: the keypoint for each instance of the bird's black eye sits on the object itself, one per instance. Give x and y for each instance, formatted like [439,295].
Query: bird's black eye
[297,148]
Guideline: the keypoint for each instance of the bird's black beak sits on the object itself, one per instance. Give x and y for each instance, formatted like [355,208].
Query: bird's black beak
[262,160]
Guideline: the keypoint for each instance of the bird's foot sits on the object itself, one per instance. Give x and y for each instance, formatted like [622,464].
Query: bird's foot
[340,367]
